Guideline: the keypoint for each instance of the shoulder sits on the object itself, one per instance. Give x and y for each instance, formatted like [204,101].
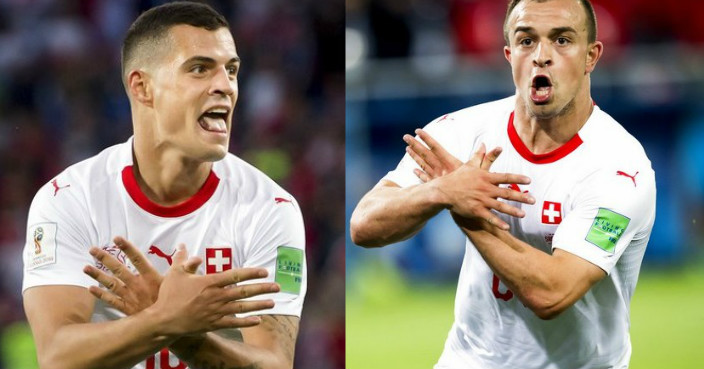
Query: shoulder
[482,114]
[609,142]
[249,184]
[617,172]
[454,130]
[270,212]
[73,186]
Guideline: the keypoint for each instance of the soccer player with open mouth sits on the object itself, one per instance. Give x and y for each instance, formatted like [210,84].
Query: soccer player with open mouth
[201,257]
[557,214]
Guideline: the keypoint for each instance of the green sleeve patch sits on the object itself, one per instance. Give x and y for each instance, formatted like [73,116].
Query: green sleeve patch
[607,229]
[289,269]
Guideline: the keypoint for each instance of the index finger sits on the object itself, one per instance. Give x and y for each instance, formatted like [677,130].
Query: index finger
[421,154]
[234,276]
[508,178]
[117,269]
[430,141]
[139,261]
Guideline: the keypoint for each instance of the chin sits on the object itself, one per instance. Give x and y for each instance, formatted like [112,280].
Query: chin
[544,111]
[216,155]
[208,153]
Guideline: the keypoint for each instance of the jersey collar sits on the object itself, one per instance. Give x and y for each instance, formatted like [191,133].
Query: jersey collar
[184,208]
[546,158]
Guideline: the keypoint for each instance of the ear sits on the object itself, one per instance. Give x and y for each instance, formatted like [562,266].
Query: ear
[593,55]
[139,85]
[507,53]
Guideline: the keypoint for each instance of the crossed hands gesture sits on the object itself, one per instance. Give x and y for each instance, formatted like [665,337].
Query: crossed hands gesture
[470,190]
[186,303]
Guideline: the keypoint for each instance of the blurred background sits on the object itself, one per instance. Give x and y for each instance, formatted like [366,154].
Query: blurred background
[411,61]
[62,100]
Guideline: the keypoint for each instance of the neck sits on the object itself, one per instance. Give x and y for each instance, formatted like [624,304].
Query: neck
[165,176]
[543,135]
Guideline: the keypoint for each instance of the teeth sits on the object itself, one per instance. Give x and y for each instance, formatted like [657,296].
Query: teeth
[217,110]
[541,92]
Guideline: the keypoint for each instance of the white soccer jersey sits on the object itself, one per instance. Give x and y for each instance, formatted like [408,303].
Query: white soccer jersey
[595,198]
[239,218]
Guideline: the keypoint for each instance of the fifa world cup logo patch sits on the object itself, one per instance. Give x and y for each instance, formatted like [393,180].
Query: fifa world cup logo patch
[43,235]
[38,235]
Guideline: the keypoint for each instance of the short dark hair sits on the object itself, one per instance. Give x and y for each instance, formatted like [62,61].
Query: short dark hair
[152,25]
[588,9]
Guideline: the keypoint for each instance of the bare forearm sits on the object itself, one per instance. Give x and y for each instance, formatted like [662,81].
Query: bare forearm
[116,344]
[525,270]
[269,345]
[547,284]
[392,214]
[520,266]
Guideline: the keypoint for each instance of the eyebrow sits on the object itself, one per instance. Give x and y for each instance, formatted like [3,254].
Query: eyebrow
[208,60]
[553,32]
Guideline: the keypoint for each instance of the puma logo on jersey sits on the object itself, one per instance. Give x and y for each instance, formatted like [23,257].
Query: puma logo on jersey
[156,251]
[515,187]
[632,177]
[446,116]
[57,187]
[280,200]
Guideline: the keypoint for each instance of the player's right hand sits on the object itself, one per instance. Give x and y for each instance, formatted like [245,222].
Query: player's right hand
[469,190]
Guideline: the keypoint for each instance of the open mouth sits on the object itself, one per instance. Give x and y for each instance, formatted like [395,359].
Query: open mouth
[214,120]
[541,89]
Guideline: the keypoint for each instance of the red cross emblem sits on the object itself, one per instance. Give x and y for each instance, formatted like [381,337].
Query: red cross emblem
[552,212]
[218,260]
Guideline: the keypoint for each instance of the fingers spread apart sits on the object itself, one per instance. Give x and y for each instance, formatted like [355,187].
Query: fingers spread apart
[138,260]
[117,269]
[234,276]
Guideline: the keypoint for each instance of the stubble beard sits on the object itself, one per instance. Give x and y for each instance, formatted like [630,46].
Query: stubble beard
[547,112]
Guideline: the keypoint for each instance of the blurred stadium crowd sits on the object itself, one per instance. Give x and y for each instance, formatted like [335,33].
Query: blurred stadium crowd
[400,28]
[62,100]
[411,61]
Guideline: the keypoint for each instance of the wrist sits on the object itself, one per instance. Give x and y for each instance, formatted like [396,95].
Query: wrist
[159,324]
[437,196]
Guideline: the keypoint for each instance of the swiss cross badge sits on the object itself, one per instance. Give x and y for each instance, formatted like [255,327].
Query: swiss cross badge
[218,260]
[552,212]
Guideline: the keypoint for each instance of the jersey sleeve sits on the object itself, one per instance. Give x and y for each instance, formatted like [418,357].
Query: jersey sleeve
[610,212]
[278,244]
[57,239]
[438,129]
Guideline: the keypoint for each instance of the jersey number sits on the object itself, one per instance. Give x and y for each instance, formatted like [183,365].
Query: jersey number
[500,295]
[164,361]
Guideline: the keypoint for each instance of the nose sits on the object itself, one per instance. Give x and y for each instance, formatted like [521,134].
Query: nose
[542,56]
[223,83]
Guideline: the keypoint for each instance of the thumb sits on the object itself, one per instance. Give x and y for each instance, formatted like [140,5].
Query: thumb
[181,255]
[478,157]
[191,265]
[490,158]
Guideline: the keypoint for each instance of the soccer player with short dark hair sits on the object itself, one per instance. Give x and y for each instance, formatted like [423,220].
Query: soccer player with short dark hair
[201,255]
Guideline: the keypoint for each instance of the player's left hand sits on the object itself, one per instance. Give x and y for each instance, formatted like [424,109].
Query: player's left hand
[126,291]
[435,161]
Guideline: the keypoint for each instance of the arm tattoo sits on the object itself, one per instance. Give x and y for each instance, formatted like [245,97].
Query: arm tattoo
[285,328]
